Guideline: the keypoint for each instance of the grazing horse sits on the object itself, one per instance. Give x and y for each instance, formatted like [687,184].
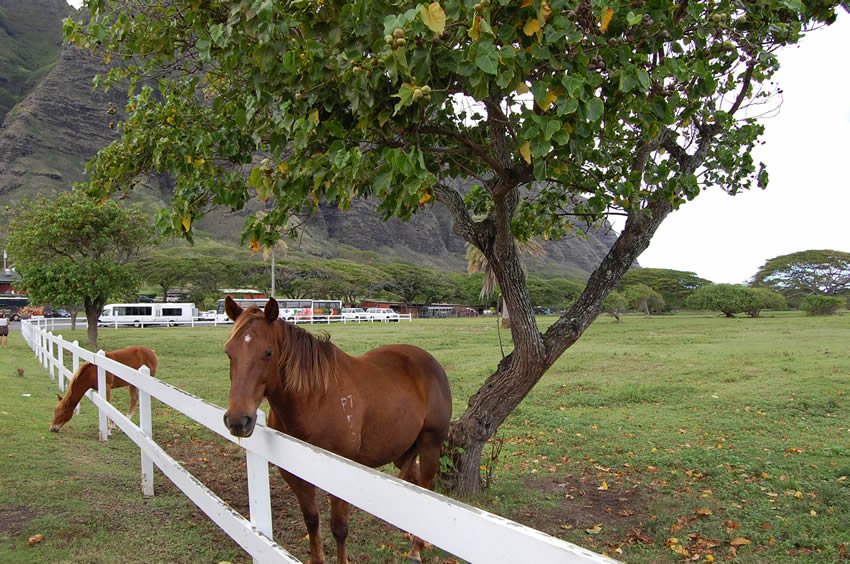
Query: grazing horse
[391,404]
[85,379]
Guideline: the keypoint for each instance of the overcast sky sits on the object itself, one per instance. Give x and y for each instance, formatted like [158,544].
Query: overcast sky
[726,239]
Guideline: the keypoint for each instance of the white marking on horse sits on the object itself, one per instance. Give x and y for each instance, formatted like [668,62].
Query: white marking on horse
[347,402]
[247,338]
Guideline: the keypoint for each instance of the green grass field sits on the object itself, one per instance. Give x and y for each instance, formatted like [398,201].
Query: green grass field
[656,439]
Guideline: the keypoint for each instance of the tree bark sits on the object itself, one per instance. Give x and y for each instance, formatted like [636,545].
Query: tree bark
[93,310]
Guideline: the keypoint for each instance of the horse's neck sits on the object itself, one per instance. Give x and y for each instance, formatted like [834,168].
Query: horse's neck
[85,381]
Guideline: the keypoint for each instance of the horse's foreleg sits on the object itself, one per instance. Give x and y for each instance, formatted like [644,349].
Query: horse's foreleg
[134,401]
[305,492]
[339,527]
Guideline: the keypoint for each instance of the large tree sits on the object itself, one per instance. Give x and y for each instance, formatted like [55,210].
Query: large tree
[630,106]
[674,285]
[70,248]
[806,273]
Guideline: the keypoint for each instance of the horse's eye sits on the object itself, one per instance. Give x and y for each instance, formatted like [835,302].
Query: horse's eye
[267,355]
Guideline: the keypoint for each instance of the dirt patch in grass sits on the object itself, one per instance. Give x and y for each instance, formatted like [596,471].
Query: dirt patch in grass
[606,514]
[14,520]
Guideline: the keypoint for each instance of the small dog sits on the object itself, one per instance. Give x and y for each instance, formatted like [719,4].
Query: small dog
[20,371]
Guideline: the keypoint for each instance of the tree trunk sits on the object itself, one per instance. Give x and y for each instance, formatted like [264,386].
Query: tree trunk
[92,314]
[533,354]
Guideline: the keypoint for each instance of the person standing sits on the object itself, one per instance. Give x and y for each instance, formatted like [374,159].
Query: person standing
[4,330]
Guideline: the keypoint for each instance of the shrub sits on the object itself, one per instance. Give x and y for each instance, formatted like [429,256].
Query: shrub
[821,305]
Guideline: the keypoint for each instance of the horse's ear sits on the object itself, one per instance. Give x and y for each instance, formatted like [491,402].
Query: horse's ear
[231,308]
[58,397]
[271,310]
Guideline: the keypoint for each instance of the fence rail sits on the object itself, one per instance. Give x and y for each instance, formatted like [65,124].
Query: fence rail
[465,531]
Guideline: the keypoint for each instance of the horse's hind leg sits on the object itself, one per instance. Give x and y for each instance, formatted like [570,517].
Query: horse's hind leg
[134,401]
[423,474]
[305,492]
[339,527]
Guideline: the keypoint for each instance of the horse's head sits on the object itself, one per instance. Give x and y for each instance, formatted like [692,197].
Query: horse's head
[253,352]
[61,415]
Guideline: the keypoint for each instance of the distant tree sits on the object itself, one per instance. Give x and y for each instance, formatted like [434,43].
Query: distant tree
[821,305]
[70,248]
[615,305]
[674,285]
[806,273]
[643,298]
[414,284]
[734,298]
[164,271]
[758,299]
[557,293]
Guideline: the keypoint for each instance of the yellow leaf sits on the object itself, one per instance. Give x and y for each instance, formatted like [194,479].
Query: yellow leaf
[813,513]
[169,120]
[531,27]
[704,511]
[186,222]
[282,167]
[544,11]
[434,17]
[680,550]
[594,530]
[255,245]
[314,116]
[551,97]
[522,88]
[525,151]
[607,14]
[426,197]
[709,558]
[604,486]
[475,30]
[199,161]
[740,541]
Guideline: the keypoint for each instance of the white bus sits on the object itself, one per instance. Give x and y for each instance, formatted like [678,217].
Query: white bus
[141,314]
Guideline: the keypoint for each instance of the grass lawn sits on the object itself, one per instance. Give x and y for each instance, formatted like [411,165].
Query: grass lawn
[656,439]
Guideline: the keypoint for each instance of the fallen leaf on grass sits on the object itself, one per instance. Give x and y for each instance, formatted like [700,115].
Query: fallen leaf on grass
[594,530]
[704,511]
[35,539]
[604,486]
[740,541]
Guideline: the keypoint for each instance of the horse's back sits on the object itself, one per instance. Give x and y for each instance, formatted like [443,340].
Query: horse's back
[134,356]
[400,366]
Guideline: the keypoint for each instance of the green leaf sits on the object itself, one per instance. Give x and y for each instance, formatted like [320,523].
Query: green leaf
[487,57]
[643,79]
[595,109]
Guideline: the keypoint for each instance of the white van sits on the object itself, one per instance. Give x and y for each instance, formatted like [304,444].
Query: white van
[141,314]
[353,314]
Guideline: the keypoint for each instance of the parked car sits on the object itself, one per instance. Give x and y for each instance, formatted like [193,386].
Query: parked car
[353,313]
[381,314]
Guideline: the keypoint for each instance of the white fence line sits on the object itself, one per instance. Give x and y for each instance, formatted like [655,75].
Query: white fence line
[465,531]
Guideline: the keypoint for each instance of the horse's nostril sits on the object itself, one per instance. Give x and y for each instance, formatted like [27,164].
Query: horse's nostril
[247,421]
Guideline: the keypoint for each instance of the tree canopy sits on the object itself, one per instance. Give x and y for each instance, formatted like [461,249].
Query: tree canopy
[630,106]
[71,249]
[674,286]
[733,298]
[805,273]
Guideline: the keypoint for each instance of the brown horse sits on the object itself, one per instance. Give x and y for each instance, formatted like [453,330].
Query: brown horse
[85,379]
[391,404]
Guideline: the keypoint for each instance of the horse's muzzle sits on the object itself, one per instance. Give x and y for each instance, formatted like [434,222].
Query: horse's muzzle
[241,426]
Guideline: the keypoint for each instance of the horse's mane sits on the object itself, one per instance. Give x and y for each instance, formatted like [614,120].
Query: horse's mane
[308,362]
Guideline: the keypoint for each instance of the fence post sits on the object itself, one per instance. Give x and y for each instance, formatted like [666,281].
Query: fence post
[50,363]
[102,421]
[61,362]
[146,424]
[75,365]
[259,492]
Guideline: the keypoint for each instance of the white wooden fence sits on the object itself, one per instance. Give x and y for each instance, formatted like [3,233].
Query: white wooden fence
[465,531]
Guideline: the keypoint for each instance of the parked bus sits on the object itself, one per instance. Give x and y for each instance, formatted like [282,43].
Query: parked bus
[294,310]
[141,314]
